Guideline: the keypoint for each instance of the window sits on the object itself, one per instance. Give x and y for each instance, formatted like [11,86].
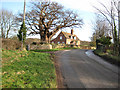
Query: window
[71,37]
[63,42]
[75,38]
[68,42]
[58,42]
[61,37]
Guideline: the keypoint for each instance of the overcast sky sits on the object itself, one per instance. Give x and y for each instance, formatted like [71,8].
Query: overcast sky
[82,7]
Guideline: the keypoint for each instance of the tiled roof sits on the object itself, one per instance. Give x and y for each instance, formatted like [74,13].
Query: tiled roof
[69,34]
[66,34]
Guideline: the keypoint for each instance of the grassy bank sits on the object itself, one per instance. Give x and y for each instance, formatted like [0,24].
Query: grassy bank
[108,57]
[27,70]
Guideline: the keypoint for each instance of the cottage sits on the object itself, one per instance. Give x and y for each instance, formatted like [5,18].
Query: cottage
[66,38]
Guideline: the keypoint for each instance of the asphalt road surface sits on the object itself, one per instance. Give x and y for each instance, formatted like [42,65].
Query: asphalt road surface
[81,71]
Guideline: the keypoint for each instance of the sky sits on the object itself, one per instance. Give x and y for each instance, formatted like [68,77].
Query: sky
[83,7]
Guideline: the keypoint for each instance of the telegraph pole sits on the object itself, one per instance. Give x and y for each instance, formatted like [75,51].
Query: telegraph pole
[24,11]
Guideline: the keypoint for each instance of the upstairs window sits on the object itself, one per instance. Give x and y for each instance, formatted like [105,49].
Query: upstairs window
[60,37]
[75,38]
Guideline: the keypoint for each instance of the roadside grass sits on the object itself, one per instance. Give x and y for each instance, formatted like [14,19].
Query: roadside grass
[27,69]
[108,57]
[56,49]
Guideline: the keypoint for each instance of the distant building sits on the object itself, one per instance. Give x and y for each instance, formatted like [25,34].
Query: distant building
[66,38]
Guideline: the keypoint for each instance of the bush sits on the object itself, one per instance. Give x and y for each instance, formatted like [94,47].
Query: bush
[43,42]
[34,43]
[11,44]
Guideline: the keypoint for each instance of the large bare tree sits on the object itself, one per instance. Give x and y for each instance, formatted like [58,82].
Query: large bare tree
[7,22]
[47,18]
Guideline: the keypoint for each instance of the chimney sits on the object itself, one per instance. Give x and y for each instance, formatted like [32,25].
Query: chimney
[71,31]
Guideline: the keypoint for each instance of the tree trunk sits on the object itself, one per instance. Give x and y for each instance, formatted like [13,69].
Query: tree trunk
[7,33]
[40,37]
[3,35]
[46,38]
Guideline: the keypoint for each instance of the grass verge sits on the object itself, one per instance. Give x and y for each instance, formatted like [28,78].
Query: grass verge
[57,49]
[108,57]
[27,70]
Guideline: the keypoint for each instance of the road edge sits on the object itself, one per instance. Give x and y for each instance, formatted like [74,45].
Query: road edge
[103,62]
[59,77]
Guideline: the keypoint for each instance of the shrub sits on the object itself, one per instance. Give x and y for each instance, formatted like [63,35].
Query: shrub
[34,43]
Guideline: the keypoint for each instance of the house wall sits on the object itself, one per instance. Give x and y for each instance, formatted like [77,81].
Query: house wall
[78,43]
[57,39]
[68,41]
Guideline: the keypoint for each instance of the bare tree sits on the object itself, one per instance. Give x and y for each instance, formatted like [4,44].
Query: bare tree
[7,22]
[111,14]
[47,18]
[101,28]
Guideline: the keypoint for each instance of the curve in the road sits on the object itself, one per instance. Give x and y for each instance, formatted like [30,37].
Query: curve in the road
[81,71]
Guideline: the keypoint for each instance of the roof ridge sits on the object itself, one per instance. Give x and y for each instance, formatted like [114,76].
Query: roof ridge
[66,32]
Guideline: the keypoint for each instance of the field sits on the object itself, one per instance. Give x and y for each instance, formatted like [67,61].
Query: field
[27,69]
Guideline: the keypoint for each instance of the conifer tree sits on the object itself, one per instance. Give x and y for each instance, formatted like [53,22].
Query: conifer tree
[22,30]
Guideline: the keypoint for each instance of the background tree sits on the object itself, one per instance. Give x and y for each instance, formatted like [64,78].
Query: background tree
[7,23]
[47,18]
[111,14]
[101,28]
[104,41]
